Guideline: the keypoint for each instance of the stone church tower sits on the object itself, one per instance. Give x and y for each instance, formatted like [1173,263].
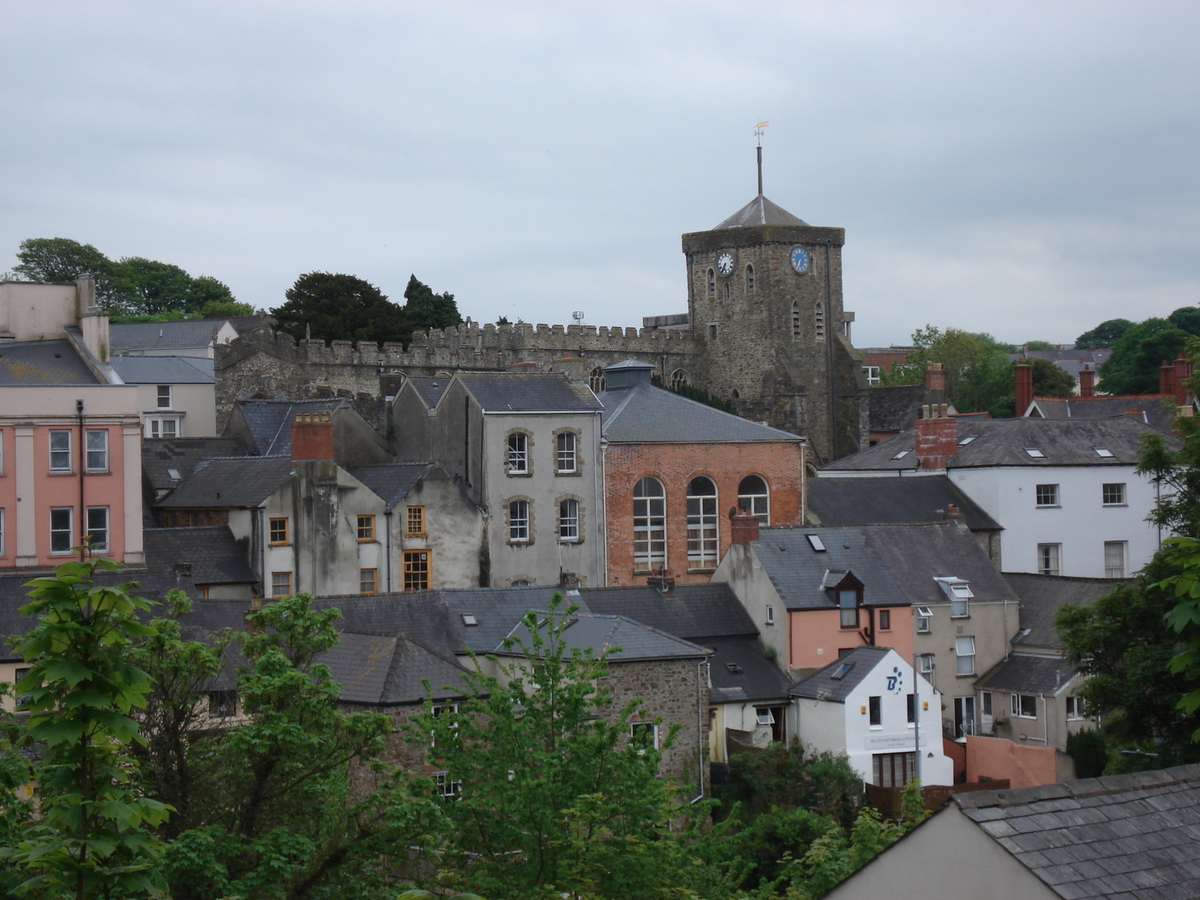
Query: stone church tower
[765,300]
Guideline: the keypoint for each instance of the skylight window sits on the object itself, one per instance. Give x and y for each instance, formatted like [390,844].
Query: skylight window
[902,454]
[815,542]
[1103,453]
[967,440]
[469,619]
[1035,453]
[841,671]
[174,474]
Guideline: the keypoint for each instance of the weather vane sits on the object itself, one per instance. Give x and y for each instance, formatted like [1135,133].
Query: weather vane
[758,133]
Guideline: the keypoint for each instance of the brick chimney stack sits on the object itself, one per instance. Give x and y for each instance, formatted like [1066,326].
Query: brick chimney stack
[1087,382]
[935,377]
[1165,374]
[936,439]
[743,527]
[312,437]
[1022,387]
[1181,371]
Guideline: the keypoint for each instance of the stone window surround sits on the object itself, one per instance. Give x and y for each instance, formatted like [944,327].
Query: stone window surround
[579,518]
[508,538]
[528,470]
[579,460]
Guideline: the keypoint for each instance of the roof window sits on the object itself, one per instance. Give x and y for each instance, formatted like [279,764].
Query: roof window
[902,454]
[1103,452]
[1035,453]
[816,543]
[841,671]
[469,619]
[967,440]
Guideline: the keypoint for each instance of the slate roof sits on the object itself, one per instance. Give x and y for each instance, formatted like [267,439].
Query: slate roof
[760,211]
[161,455]
[1043,595]
[1133,836]
[1029,674]
[697,612]
[225,483]
[269,421]
[391,481]
[529,392]
[884,501]
[382,670]
[1157,410]
[897,564]
[739,673]
[893,407]
[162,335]
[35,363]
[212,552]
[646,414]
[164,369]
[1002,442]
[623,639]
[821,685]
[430,390]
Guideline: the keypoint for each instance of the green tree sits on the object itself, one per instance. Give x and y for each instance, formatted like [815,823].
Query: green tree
[425,310]
[339,307]
[61,260]
[147,287]
[1137,355]
[1038,345]
[555,797]
[1103,335]
[978,374]
[92,838]
[1186,318]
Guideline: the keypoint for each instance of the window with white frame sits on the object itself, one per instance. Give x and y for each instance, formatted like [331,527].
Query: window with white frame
[643,736]
[518,521]
[924,619]
[97,449]
[1023,706]
[872,373]
[518,453]
[770,611]
[164,396]
[1113,494]
[1047,495]
[568,520]
[1115,554]
[163,427]
[960,596]
[755,498]
[964,649]
[97,529]
[925,661]
[702,523]
[1049,559]
[60,450]
[449,789]
[649,525]
[1075,708]
[565,457]
[61,529]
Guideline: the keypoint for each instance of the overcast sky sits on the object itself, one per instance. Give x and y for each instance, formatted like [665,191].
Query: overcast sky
[1025,169]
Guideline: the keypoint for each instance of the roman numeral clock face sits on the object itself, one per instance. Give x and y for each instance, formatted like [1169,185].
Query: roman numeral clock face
[800,260]
[725,263]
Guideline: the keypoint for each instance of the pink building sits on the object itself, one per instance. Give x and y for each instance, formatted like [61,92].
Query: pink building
[70,432]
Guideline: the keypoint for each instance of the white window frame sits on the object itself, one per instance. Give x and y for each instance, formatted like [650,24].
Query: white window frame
[96,454]
[649,524]
[1016,706]
[518,521]
[449,789]
[925,661]
[872,374]
[757,503]
[518,453]
[964,652]
[1049,559]
[924,620]
[566,453]
[98,523]
[703,549]
[68,530]
[162,393]
[60,456]
[568,520]
[636,728]
[1113,494]
[1116,559]
[156,427]
[1046,495]
[1076,708]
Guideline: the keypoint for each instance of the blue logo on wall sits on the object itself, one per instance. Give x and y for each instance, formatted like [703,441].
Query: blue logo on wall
[895,681]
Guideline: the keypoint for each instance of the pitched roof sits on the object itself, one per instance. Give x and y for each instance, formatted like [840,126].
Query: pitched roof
[211,552]
[269,421]
[646,414]
[1043,595]
[893,407]
[760,211]
[35,363]
[1028,673]
[391,481]
[1134,836]
[623,639]
[1003,442]
[696,612]
[382,670]
[162,335]
[430,390]
[1157,410]
[164,369]
[161,457]
[886,501]
[224,483]
[529,392]
[835,682]
[739,673]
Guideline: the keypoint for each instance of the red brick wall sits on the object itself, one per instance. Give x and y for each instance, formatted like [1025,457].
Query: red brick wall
[779,464]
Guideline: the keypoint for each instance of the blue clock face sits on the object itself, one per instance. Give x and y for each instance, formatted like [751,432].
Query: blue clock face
[800,259]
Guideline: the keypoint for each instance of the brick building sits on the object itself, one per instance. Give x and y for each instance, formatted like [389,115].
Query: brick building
[674,468]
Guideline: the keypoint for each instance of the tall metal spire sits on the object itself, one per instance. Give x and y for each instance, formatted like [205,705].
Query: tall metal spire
[758,133]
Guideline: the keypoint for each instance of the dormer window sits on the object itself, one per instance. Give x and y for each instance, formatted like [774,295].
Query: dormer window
[848,604]
[846,592]
[960,594]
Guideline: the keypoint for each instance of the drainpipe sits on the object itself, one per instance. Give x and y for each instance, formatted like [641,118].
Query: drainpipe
[701,705]
[387,517]
[917,718]
[82,468]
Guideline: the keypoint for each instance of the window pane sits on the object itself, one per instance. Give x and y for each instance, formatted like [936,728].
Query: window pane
[97,528]
[1114,559]
[1049,562]
[1047,495]
[60,530]
[518,520]
[415,521]
[566,452]
[518,453]
[60,451]
[702,524]
[754,498]
[568,520]
[649,525]
[416,570]
[1114,494]
[97,451]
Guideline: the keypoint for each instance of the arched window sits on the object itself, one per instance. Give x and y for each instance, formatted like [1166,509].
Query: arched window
[596,380]
[680,378]
[749,279]
[819,320]
[518,522]
[712,283]
[702,523]
[754,497]
[795,320]
[649,525]
[568,520]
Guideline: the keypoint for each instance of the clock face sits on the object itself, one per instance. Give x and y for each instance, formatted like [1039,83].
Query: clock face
[725,263]
[800,259]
